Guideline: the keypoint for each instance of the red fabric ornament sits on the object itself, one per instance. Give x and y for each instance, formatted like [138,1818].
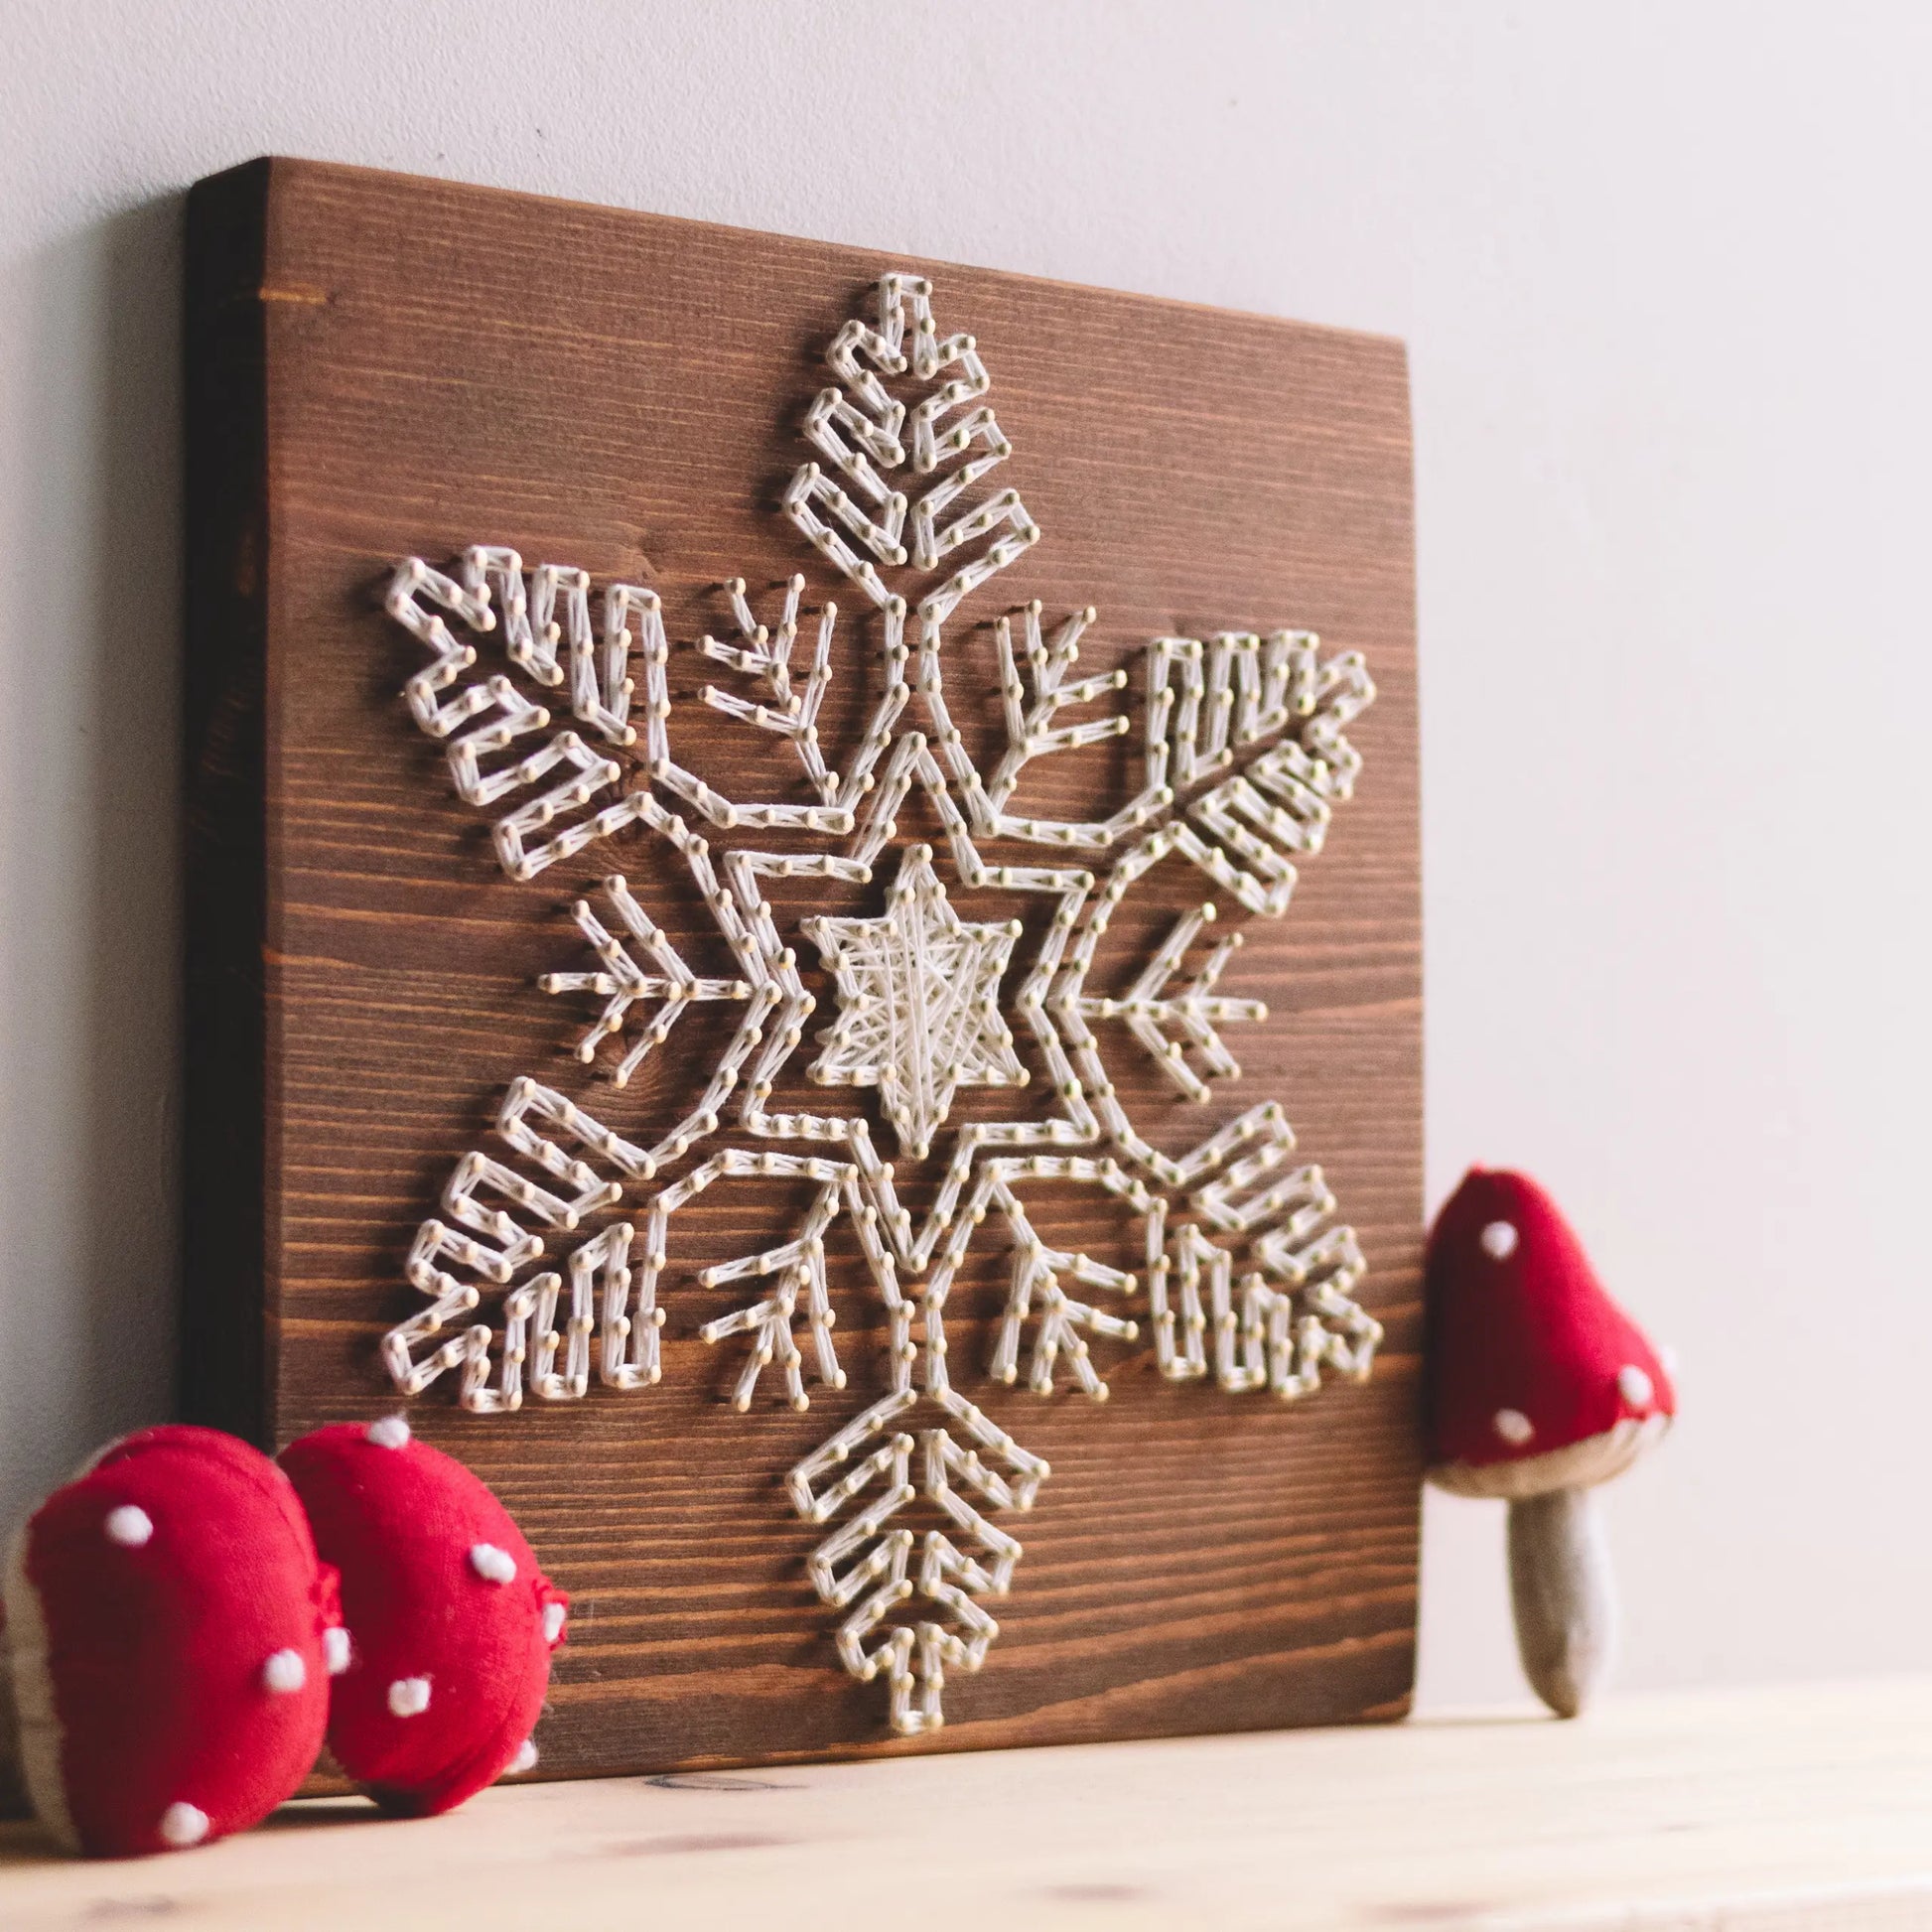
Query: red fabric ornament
[167,1623]
[1528,1355]
[451,1622]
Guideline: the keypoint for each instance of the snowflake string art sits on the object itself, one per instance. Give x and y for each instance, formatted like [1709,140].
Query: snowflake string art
[1244,1275]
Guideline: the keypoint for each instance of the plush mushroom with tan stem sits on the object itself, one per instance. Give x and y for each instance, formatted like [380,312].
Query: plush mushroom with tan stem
[1540,1387]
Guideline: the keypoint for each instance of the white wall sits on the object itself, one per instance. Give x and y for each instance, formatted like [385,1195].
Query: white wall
[1662,269]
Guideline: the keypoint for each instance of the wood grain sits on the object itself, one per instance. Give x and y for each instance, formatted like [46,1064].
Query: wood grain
[1788,1809]
[382,366]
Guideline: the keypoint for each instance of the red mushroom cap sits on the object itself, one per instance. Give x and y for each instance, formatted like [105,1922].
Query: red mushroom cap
[451,1622]
[167,1619]
[1537,1379]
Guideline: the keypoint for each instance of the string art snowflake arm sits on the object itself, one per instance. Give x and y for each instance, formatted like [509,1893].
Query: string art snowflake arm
[859,428]
[623,982]
[796,1267]
[1207,705]
[493,1205]
[1035,1292]
[911,1626]
[1033,690]
[538,1129]
[485,718]
[1247,832]
[1261,1336]
[542,621]
[1233,833]
[1170,1026]
[792,714]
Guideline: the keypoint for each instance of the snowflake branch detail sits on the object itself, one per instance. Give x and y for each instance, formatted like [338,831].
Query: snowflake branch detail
[623,982]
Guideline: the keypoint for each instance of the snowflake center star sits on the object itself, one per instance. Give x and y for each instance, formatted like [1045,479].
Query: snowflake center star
[918,994]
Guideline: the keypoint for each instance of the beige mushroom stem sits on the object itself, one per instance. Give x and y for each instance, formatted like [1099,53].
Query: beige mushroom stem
[1564,1595]
[1561,1585]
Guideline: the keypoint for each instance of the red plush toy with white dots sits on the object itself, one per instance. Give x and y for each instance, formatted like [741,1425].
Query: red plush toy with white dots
[170,1631]
[1540,1387]
[451,1621]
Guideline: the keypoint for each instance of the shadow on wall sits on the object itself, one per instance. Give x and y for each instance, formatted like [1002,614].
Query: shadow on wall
[91,1190]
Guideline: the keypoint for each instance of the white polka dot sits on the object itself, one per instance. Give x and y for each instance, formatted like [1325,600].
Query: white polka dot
[1634,1386]
[184,1825]
[1499,1239]
[1513,1426]
[335,1649]
[285,1672]
[553,1622]
[525,1758]
[1668,1356]
[409,1697]
[130,1526]
[390,1432]
[492,1564]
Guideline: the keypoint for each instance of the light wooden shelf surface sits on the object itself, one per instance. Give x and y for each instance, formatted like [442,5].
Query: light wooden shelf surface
[1777,1809]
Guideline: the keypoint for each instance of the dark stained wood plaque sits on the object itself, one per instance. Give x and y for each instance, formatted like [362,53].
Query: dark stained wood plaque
[935,1039]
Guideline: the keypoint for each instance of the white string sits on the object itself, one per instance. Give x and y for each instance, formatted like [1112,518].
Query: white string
[858,427]
[918,1004]
[1244,757]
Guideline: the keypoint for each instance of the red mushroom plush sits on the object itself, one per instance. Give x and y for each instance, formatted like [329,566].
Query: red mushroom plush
[168,1632]
[1540,1387]
[451,1622]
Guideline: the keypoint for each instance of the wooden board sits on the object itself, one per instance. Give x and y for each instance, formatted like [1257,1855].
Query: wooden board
[382,368]
[1770,1810]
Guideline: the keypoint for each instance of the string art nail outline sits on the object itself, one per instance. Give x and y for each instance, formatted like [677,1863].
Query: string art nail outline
[1246,1276]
